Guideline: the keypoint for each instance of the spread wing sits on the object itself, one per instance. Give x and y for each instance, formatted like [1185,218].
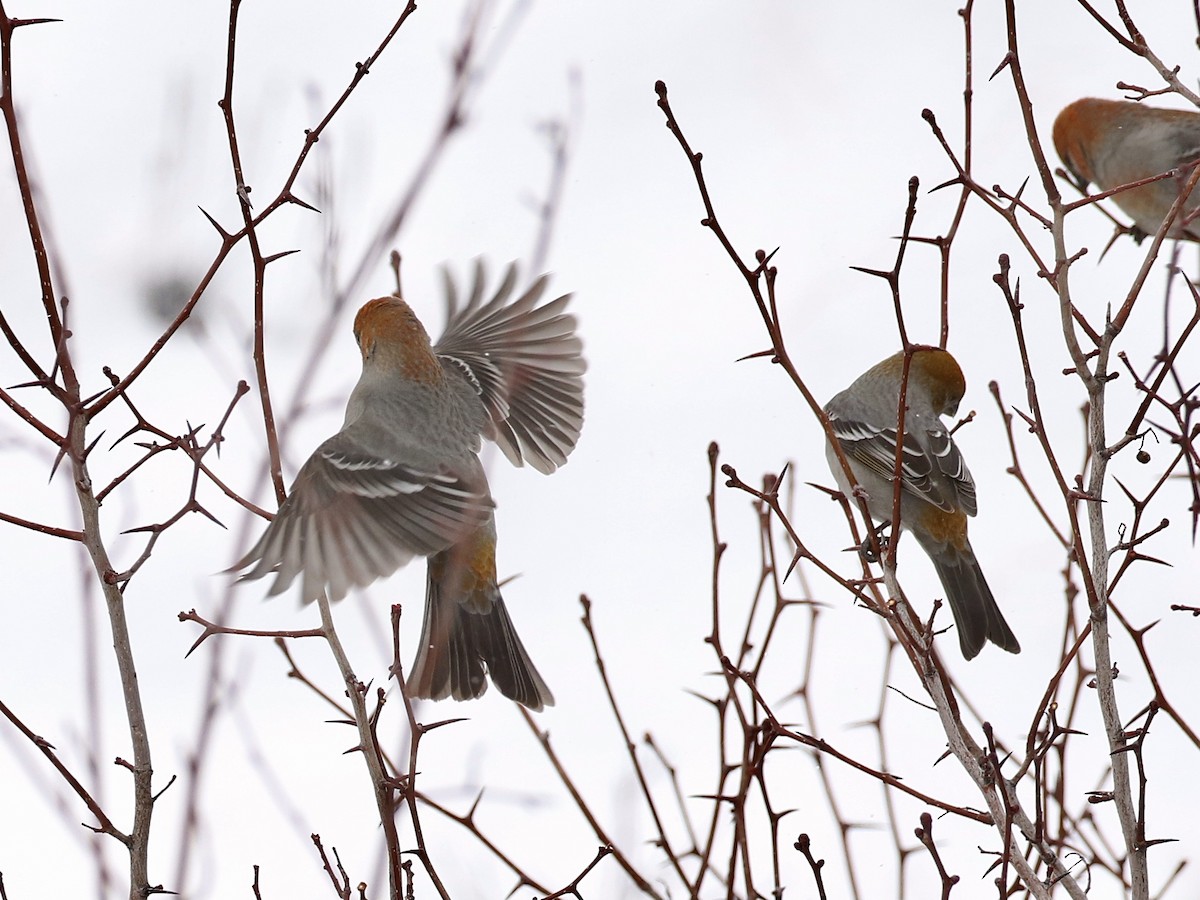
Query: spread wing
[526,363]
[353,517]
[932,467]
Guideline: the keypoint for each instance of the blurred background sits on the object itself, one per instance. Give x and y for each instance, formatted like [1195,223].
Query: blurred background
[809,119]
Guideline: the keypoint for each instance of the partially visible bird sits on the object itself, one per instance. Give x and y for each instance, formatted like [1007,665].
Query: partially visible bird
[402,478]
[937,493]
[1110,143]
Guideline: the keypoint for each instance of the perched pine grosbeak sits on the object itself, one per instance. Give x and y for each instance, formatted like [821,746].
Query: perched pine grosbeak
[403,478]
[937,492]
[1114,142]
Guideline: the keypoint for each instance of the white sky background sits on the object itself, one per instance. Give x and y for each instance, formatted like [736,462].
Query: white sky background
[809,119]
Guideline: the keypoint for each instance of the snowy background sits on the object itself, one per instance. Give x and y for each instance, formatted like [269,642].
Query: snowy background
[808,115]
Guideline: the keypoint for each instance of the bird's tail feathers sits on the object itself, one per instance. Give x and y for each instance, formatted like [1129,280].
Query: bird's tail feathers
[971,602]
[464,642]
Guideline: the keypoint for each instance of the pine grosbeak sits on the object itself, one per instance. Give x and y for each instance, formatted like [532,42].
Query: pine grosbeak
[1114,142]
[937,492]
[403,478]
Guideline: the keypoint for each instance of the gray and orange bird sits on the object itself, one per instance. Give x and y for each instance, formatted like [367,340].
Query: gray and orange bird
[402,478]
[1109,143]
[937,493]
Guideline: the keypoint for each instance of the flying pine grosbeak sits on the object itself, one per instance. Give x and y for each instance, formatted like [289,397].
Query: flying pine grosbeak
[403,478]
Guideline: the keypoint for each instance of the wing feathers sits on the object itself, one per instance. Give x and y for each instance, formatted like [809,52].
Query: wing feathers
[526,363]
[931,468]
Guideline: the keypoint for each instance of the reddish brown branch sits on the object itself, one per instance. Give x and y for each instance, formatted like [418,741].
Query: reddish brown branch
[47,750]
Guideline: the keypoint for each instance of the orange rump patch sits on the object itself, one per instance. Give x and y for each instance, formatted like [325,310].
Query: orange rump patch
[946,527]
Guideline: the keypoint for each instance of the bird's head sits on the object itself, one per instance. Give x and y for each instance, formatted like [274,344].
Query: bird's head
[391,337]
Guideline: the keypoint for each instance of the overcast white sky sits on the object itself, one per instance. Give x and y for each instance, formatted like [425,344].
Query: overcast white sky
[808,115]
